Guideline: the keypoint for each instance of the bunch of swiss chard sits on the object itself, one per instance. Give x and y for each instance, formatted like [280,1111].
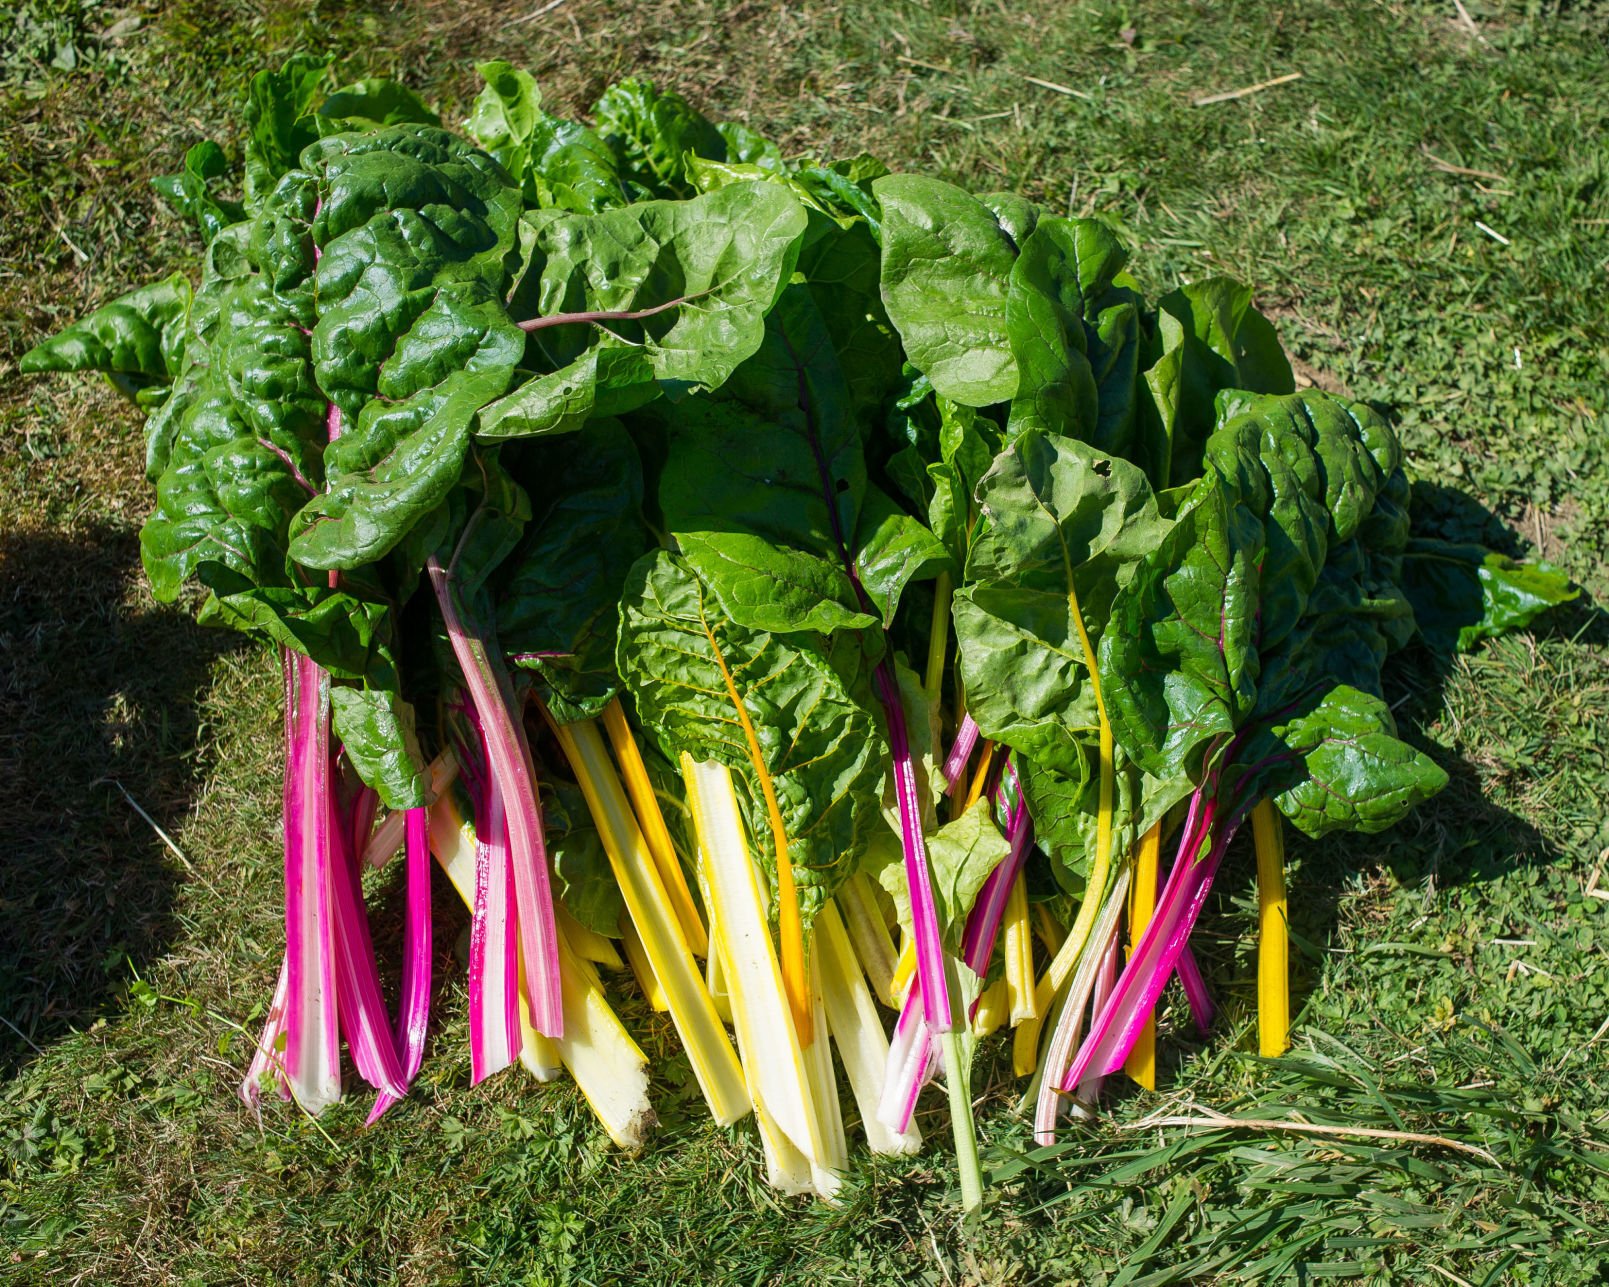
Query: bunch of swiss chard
[796,586]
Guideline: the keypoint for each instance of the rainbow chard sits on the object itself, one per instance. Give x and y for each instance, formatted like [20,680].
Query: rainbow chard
[1270,608]
[682,446]
[802,540]
[777,711]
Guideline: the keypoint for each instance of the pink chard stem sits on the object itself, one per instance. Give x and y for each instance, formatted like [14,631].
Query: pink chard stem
[983,925]
[924,907]
[312,1040]
[1202,1009]
[361,1005]
[1089,1090]
[413,1018]
[494,989]
[955,763]
[1157,954]
[509,762]
[267,1057]
[1064,1040]
[912,1056]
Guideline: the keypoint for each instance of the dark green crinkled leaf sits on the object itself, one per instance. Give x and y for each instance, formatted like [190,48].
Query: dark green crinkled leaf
[1342,767]
[348,636]
[376,731]
[793,498]
[412,338]
[558,603]
[947,263]
[241,453]
[276,111]
[1060,517]
[652,133]
[1464,593]
[190,192]
[1265,617]
[557,163]
[718,261]
[391,472]
[1209,338]
[140,335]
[819,744]
[377,99]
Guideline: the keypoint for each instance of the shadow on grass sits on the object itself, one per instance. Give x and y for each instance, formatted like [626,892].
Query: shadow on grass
[95,693]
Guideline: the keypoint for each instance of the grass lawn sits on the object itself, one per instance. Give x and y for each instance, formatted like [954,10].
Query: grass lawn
[1425,211]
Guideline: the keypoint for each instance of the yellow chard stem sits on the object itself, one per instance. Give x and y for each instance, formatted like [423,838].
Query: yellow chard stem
[1019,953]
[938,639]
[1141,1063]
[857,1032]
[709,1050]
[868,932]
[790,926]
[652,821]
[960,804]
[782,1073]
[1273,945]
[994,1008]
[904,971]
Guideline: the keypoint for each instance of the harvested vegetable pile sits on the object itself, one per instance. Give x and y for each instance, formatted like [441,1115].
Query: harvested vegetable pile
[801,588]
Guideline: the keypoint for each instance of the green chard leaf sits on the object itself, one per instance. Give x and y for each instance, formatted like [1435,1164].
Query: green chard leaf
[701,682]
[1255,633]
[1075,335]
[1463,593]
[968,444]
[378,100]
[652,135]
[703,273]
[411,337]
[557,163]
[277,108]
[947,266]
[1060,520]
[138,338]
[962,855]
[189,193]
[1066,814]
[376,729]
[1339,766]
[559,597]
[794,508]
[1208,338]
